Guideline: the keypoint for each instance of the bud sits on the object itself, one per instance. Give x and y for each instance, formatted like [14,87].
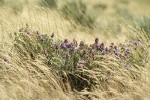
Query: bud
[56,46]
[96,40]
[41,38]
[52,36]
[81,44]
[66,41]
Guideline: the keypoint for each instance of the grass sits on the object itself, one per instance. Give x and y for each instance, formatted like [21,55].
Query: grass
[1,2]
[144,24]
[79,12]
[36,65]
[49,3]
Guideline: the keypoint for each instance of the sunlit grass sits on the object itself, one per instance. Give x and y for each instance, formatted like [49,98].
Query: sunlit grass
[26,75]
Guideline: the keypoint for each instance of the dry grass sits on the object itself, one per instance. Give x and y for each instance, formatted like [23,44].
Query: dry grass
[24,79]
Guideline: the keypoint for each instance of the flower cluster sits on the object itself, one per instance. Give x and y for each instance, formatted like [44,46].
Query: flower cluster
[79,60]
[68,48]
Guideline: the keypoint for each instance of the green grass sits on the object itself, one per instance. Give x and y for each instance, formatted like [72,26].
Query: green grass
[78,10]
[144,24]
[49,3]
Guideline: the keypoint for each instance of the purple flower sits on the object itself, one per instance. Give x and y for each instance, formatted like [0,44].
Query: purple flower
[52,36]
[56,46]
[42,38]
[63,45]
[102,46]
[68,45]
[72,49]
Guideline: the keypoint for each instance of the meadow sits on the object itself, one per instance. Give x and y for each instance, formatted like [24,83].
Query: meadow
[74,50]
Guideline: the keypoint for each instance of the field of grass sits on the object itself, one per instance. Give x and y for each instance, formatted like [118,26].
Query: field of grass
[74,50]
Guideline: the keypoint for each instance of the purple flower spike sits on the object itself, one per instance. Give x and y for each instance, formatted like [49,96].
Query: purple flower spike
[102,46]
[52,36]
[63,46]
[56,46]
[41,38]
[68,45]
[72,49]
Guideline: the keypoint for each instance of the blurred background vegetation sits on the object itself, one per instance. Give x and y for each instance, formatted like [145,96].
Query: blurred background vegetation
[76,18]
[95,15]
